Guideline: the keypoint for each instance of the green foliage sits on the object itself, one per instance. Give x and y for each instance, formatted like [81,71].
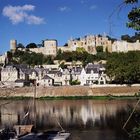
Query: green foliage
[59,55]
[80,50]
[66,44]
[31,45]
[124,67]
[9,56]
[134,19]
[72,56]
[111,39]
[81,55]
[75,82]
[62,65]
[131,39]
[20,45]
[99,49]
[27,57]
[133,16]
[135,134]
[49,60]
[130,1]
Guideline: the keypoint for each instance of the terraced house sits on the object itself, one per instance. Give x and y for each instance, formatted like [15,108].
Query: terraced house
[19,75]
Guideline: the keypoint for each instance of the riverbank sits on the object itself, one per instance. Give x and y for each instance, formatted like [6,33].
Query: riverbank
[72,91]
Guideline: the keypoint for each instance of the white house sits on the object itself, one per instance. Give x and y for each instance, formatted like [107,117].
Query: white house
[46,81]
[65,77]
[93,74]
[9,74]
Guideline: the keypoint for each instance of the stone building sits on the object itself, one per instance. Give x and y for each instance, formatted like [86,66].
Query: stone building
[9,74]
[124,46]
[13,44]
[49,47]
[89,43]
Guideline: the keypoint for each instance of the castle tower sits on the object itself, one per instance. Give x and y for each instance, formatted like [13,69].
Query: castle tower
[13,45]
[50,47]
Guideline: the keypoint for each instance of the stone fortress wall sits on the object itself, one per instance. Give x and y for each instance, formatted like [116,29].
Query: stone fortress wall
[89,43]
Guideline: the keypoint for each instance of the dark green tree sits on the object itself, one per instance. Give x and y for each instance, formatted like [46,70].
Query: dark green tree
[99,49]
[124,67]
[31,45]
[49,60]
[134,15]
[20,45]
[9,56]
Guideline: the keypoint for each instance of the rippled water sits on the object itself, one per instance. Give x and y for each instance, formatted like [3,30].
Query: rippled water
[85,119]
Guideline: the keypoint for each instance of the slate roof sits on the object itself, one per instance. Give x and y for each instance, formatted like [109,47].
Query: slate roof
[20,81]
[76,70]
[93,67]
[47,77]
[29,71]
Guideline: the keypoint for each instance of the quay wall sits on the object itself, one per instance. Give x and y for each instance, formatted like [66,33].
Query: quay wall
[95,90]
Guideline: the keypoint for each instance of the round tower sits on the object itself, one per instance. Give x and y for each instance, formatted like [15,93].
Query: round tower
[13,44]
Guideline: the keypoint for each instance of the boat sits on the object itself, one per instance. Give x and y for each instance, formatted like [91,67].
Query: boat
[29,132]
[11,134]
[48,135]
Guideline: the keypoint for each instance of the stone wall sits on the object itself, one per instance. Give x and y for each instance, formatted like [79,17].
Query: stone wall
[70,91]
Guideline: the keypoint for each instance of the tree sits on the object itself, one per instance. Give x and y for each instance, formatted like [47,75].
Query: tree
[80,50]
[66,44]
[126,38]
[133,16]
[31,45]
[99,49]
[9,56]
[131,38]
[75,82]
[62,65]
[49,60]
[124,67]
[20,45]
[59,55]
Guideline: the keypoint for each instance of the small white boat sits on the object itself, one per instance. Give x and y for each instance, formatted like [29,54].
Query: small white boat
[49,135]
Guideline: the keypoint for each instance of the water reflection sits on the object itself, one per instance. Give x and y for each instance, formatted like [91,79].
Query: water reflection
[85,115]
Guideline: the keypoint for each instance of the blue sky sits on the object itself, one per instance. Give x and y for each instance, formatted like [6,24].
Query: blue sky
[35,20]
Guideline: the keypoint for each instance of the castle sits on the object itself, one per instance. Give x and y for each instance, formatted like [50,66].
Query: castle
[49,47]
[89,43]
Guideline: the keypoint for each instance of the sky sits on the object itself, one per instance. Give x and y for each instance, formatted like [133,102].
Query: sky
[30,21]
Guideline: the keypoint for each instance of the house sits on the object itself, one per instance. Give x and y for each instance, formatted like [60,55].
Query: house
[9,73]
[20,75]
[56,75]
[65,77]
[75,73]
[46,81]
[93,74]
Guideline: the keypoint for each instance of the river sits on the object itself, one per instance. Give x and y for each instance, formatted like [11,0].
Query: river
[84,119]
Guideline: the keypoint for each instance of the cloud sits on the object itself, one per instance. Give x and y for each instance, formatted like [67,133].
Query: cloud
[18,14]
[64,9]
[93,7]
[83,1]
[34,20]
